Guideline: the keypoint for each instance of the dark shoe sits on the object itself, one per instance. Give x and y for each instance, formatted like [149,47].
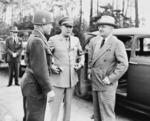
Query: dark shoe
[8,85]
[17,84]
[92,117]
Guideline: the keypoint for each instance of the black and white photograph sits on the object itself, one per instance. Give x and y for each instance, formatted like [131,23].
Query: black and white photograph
[74,60]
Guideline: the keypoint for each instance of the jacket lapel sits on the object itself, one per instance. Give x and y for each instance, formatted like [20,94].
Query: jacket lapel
[97,46]
[99,52]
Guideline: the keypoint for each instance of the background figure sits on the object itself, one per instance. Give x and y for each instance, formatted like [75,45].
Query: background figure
[66,51]
[35,83]
[13,49]
[107,63]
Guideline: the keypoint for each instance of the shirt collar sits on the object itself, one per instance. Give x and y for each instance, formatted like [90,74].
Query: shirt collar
[106,39]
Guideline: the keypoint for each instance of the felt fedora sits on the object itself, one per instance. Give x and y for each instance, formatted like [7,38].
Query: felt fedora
[107,20]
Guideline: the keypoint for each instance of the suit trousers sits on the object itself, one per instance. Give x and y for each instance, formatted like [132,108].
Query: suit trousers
[63,95]
[104,104]
[13,72]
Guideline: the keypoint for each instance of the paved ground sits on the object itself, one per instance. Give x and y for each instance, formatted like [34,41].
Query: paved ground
[11,107]
[11,104]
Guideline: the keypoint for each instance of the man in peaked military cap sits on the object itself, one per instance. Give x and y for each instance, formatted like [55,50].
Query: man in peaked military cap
[65,48]
[36,83]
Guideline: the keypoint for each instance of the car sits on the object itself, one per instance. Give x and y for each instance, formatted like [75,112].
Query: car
[24,35]
[133,90]
[2,52]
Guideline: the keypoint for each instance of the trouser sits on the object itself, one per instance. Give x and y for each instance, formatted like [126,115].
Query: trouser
[13,72]
[62,95]
[34,100]
[104,105]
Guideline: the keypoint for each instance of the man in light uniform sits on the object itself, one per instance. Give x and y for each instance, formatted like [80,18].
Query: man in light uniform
[65,49]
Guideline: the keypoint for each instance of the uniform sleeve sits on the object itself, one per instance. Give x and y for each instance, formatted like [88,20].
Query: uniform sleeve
[51,45]
[38,63]
[122,62]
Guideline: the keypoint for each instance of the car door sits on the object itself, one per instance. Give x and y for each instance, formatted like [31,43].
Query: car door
[138,88]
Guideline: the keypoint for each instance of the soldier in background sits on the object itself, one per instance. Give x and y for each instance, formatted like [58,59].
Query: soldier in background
[13,49]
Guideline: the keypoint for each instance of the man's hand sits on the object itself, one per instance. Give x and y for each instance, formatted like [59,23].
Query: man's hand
[106,81]
[50,96]
[14,55]
[78,66]
[55,69]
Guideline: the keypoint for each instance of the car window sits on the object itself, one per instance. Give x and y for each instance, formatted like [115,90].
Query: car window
[143,47]
[127,40]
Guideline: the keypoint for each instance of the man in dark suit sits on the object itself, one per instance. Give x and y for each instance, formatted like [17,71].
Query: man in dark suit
[13,49]
[107,63]
[36,84]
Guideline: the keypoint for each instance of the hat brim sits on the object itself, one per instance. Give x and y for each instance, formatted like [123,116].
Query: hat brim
[67,24]
[105,23]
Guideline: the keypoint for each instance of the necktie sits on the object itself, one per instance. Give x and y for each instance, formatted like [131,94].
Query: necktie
[14,40]
[103,41]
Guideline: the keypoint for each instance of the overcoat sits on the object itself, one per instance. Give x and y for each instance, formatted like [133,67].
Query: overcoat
[111,61]
[35,82]
[65,57]
[12,47]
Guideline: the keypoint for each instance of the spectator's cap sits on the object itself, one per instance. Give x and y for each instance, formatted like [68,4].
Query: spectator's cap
[66,21]
[107,20]
[14,29]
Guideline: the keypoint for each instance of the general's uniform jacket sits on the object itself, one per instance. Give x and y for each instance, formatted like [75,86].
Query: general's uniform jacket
[65,58]
[111,61]
[12,47]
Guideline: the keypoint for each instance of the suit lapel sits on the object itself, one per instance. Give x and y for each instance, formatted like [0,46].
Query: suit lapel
[97,46]
[11,41]
[99,52]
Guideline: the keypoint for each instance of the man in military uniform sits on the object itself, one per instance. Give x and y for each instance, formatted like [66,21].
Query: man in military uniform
[65,49]
[36,84]
[13,49]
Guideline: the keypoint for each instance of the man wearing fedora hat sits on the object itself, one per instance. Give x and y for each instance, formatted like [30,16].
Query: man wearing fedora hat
[107,63]
[13,49]
[65,49]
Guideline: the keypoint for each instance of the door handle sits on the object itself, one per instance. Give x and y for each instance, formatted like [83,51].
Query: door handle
[131,62]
